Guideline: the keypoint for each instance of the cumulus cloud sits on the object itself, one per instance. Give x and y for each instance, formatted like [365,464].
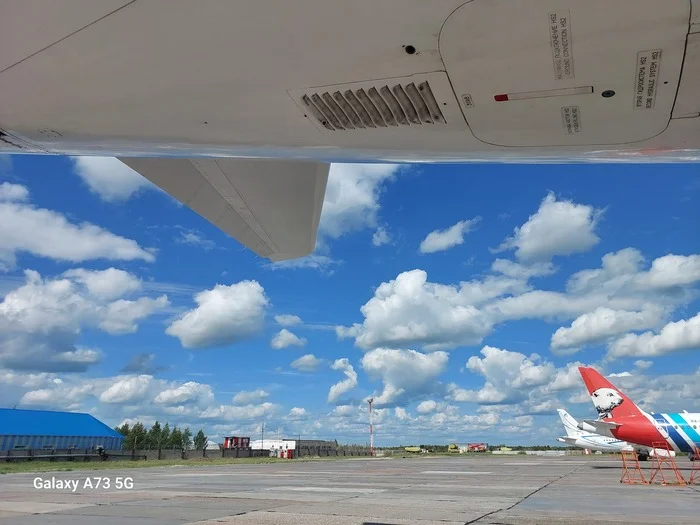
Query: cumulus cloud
[287,320]
[106,284]
[247,397]
[224,315]
[441,240]
[508,375]
[109,178]
[381,236]
[45,233]
[285,338]
[41,321]
[338,390]
[427,406]
[306,363]
[675,336]
[127,390]
[602,324]
[352,197]
[405,374]
[189,392]
[297,413]
[620,295]
[411,310]
[557,228]
[13,192]
[122,316]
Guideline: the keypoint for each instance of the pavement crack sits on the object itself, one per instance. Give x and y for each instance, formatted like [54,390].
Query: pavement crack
[524,497]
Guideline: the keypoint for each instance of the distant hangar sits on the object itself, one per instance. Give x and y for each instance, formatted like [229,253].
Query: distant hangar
[43,429]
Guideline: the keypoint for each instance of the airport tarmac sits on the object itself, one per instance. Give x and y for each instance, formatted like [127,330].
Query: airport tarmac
[492,490]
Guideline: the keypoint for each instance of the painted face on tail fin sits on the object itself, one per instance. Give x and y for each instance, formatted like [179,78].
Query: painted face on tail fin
[605,400]
[608,400]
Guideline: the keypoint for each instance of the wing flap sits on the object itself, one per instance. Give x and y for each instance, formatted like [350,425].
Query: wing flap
[271,206]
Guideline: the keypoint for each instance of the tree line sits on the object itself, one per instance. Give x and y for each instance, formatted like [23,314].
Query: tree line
[160,437]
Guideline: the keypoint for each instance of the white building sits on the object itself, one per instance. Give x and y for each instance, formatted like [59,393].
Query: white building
[273,444]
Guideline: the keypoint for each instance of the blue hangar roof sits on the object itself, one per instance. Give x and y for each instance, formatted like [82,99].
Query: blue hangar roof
[15,422]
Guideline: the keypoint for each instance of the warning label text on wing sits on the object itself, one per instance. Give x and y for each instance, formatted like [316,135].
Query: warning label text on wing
[646,78]
[560,42]
[571,116]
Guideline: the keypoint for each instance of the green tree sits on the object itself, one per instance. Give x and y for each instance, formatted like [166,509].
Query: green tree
[175,438]
[165,437]
[200,440]
[137,437]
[154,435]
[123,430]
[187,438]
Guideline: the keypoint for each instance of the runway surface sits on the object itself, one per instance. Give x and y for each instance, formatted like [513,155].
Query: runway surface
[483,490]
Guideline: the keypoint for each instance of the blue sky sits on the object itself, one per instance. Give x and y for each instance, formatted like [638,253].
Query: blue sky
[462,297]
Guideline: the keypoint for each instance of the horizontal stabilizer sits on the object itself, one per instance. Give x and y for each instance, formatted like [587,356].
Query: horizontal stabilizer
[598,426]
[271,206]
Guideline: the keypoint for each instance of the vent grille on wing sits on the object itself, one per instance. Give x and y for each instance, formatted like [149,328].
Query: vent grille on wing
[376,107]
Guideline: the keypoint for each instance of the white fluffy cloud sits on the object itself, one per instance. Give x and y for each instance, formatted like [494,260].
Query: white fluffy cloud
[557,228]
[13,192]
[306,363]
[109,178]
[603,303]
[381,236]
[338,390]
[287,320]
[411,310]
[675,336]
[122,316]
[247,397]
[41,321]
[106,284]
[127,390]
[189,392]
[45,233]
[441,240]
[405,374]
[509,375]
[224,315]
[352,197]
[297,413]
[602,324]
[285,338]
[427,406]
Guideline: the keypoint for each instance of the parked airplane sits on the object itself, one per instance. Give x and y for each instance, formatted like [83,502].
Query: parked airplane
[621,418]
[589,440]
[177,90]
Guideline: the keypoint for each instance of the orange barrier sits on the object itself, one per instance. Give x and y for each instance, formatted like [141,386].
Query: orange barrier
[631,471]
[662,462]
[695,468]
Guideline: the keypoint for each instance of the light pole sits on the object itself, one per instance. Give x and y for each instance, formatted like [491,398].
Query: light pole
[371,428]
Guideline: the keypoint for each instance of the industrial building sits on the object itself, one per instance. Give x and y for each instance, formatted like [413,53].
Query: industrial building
[43,429]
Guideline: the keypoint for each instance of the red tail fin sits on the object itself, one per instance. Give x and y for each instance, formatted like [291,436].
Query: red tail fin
[606,397]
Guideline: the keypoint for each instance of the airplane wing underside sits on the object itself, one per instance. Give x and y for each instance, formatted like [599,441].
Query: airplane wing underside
[272,207]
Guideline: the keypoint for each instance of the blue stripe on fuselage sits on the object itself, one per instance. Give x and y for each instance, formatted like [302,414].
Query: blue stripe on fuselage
[681,443]
[686,427]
